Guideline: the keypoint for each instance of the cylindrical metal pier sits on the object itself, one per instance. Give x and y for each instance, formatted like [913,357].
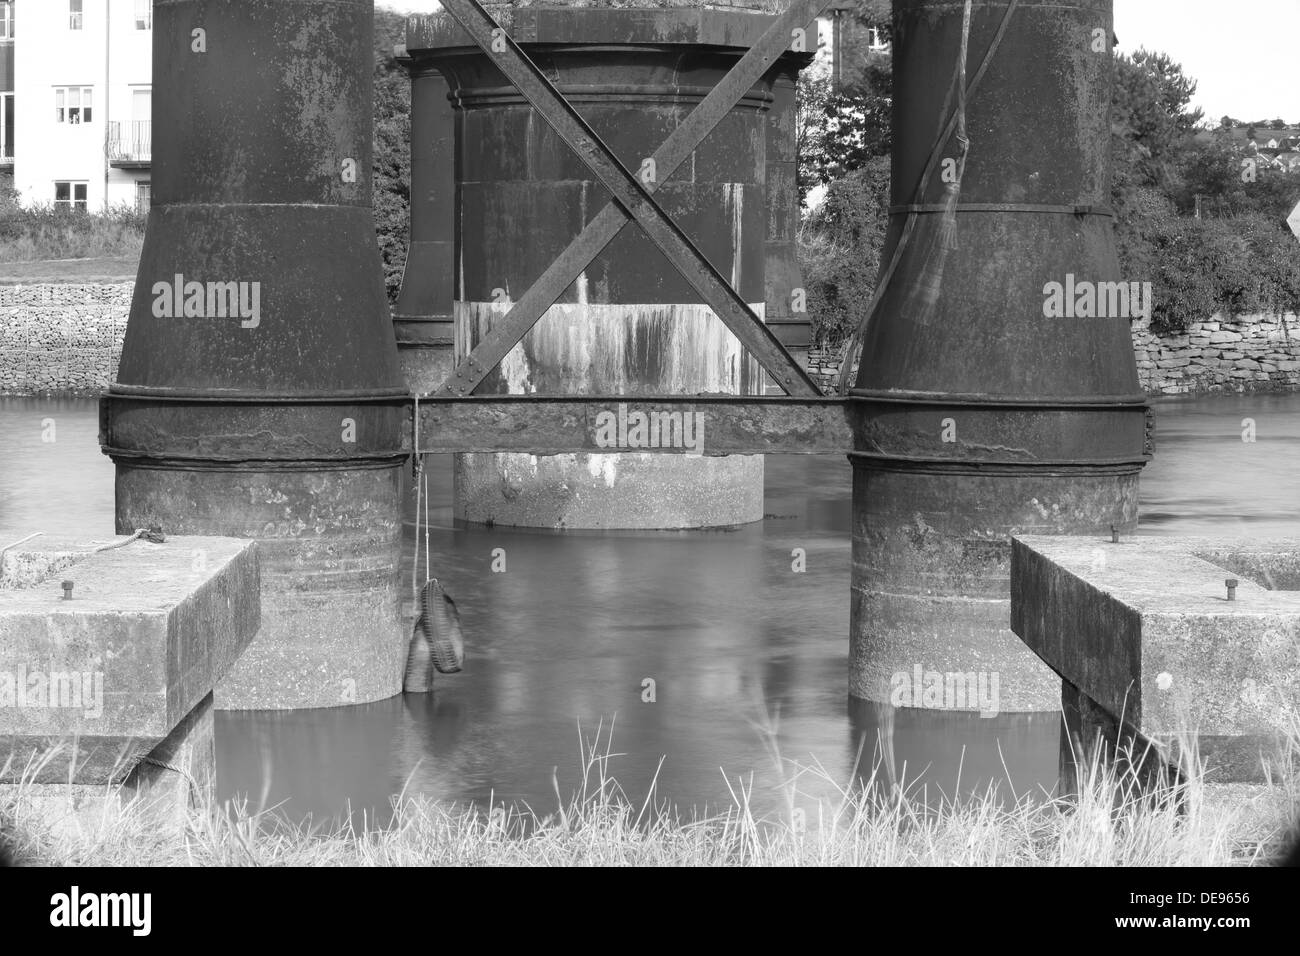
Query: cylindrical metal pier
[978,415]
[259,393]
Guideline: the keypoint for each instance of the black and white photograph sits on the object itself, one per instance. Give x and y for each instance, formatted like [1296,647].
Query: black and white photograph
[650,433]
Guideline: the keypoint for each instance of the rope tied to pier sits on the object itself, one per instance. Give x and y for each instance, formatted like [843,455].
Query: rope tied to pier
[153,535]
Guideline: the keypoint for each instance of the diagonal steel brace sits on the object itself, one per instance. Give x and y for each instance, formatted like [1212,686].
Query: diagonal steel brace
[632,200]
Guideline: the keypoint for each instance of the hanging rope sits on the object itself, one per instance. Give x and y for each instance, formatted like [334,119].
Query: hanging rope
[415,557]
[955,122]
[428,564]
[924,295]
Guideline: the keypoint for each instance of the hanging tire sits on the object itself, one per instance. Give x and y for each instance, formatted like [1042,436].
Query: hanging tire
[440,622]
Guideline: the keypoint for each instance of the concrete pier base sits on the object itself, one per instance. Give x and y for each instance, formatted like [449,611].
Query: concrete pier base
[609,491]
[611,349]
[106,699]
[177,777]
[1152,650]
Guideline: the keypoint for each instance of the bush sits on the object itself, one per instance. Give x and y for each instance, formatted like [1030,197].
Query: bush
[839,251]
[44,232]
[392,144]
[1199,267]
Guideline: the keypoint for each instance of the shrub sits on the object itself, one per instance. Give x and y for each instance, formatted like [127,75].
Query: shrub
[44,232]
[1199,267]
[839,251]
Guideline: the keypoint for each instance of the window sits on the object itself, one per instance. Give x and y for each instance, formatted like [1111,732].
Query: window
[72,104]
[6,20]
[143,190]
[70,197]
[6,127]
[144,14]
[74,14]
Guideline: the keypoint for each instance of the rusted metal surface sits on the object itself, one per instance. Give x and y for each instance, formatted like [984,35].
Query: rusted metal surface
[507,332]
[422,317]
[976,417]
[555,425]
[259,393]
[787,313]
[632,195]
[625,320]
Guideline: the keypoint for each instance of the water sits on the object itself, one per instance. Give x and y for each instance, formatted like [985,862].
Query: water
[748,659]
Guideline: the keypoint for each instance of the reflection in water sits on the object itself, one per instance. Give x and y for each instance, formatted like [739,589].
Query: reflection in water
[938,755]
[1206,480]
[748,658]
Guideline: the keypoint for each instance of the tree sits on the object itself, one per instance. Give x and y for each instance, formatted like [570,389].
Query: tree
[392,146]
[838,131]
[1151,119]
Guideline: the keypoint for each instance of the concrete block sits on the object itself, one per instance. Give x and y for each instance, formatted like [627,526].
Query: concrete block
[90,686]
[1145,629]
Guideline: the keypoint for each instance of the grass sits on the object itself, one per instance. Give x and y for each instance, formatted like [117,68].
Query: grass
[42,234]
[868,823]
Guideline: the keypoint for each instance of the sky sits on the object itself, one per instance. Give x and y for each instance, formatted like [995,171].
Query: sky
[1244,54]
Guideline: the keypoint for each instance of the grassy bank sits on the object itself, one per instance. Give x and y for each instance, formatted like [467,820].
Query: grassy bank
[42,233]
[868,824]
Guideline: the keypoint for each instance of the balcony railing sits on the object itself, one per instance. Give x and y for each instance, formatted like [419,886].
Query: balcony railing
[129,143]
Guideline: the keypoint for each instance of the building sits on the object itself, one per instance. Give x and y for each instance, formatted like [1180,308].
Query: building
[81,101]
[854,44]
[6,86]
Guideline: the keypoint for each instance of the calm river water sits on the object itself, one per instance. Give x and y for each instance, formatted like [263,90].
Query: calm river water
[748,659]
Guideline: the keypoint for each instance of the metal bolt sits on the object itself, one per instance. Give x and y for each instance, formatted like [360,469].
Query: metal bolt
[67,590]
[1114,534]
[1232,588]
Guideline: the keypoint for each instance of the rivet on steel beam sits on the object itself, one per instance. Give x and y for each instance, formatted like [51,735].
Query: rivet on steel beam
[1114,534]
[1232,588]
[67,590]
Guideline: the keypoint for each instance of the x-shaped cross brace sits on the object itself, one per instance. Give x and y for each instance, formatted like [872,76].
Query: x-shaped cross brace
[632,199]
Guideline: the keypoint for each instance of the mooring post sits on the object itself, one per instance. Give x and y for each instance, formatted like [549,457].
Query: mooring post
[259,393]
[984,406]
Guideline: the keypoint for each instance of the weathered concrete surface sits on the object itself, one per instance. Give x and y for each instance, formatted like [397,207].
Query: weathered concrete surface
[97,682]
[1145,629]
[178,775]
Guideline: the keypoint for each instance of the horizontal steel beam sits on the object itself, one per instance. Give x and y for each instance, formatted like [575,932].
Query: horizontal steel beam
[708,425]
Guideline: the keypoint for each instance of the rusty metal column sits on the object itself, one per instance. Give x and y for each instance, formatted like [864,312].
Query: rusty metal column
[787,311]
[977,415]
[422,317]
[259,393]
[630,323]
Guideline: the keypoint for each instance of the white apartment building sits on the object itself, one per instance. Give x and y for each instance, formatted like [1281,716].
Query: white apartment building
[81,101]
[6,86]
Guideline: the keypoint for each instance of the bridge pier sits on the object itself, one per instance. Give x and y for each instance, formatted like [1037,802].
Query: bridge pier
[977,416]
[259,393]
[630,323]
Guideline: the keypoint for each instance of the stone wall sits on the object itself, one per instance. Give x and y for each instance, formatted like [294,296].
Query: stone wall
[67,338]
[62,338]
[1248,353]
[1242,354]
